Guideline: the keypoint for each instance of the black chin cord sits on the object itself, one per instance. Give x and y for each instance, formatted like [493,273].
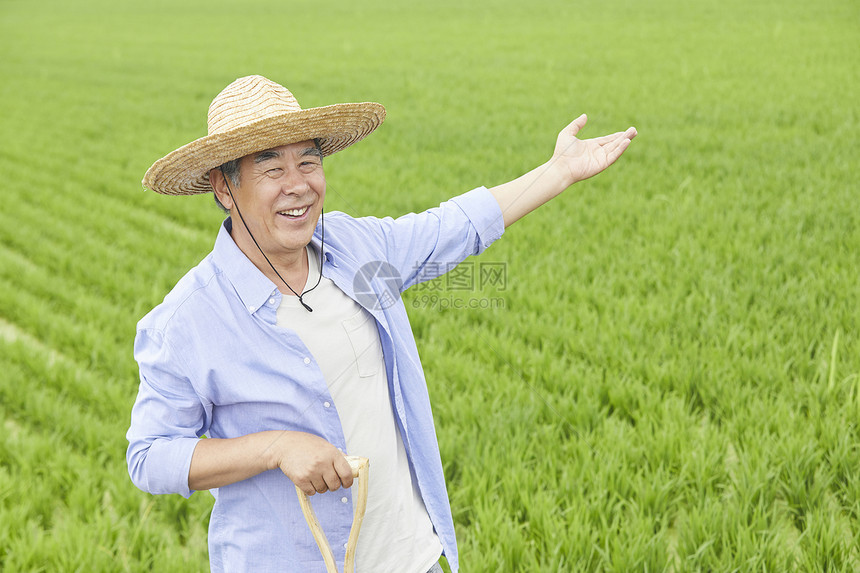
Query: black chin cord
[322,246]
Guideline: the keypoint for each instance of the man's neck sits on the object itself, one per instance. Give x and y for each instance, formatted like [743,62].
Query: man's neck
[294,272]
[292,266]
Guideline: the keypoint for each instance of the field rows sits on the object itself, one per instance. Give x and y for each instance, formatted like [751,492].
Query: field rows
[673,381]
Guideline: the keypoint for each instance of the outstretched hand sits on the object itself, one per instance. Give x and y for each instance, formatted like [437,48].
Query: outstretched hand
[573,160]
[584,158]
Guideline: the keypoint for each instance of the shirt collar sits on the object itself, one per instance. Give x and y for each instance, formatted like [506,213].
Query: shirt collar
[252,286]
[328,256]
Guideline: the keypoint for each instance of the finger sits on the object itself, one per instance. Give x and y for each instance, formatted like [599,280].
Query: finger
[613,144]
[618,135]
[332,479]
[611,156]
[319,484]
[344,471]
[629,133]
[307,488]
[574,126]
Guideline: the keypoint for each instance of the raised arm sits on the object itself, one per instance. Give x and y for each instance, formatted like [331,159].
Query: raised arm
[573,160]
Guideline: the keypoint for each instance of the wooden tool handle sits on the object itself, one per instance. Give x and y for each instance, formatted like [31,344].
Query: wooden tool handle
[360,468]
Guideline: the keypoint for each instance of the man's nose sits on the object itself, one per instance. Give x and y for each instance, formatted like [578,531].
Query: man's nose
[294,182]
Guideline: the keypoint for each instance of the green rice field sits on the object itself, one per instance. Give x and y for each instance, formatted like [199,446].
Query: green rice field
[658,371]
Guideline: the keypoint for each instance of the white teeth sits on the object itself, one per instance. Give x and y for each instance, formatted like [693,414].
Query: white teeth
[294,212]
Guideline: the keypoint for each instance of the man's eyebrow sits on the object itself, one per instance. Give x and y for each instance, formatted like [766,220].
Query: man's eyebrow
[312,151]
[274,154]
[266,155]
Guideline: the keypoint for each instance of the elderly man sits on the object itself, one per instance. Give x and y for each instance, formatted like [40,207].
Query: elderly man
[270,350]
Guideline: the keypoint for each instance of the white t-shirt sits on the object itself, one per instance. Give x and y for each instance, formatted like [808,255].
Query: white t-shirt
[396,534]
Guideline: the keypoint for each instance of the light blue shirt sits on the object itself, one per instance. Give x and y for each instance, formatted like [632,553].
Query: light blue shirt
[213,361]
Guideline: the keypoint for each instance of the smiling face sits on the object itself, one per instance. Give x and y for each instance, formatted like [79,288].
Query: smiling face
[280,196]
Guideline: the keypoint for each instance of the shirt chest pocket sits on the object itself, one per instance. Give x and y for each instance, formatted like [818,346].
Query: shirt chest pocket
[364,339]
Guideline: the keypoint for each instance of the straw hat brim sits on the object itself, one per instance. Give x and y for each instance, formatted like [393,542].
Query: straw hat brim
[185,171]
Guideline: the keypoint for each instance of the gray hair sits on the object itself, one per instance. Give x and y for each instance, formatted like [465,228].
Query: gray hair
[231,171]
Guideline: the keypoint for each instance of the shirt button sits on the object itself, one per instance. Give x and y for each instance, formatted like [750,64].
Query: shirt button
[252,308]
[327,404]
[307,360]
[344,500]
[271,301]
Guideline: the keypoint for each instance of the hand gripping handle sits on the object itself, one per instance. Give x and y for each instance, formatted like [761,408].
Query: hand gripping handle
[360,468]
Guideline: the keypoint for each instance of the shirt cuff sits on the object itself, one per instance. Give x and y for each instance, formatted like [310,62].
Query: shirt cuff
[168,463]
[484,212]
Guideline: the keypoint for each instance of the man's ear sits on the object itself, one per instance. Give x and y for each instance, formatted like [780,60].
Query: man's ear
[216,179]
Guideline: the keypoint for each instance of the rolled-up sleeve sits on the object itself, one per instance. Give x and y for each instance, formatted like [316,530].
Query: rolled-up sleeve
[167,419]
[486,216]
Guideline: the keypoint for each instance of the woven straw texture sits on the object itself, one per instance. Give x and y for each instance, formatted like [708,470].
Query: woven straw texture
[253,114]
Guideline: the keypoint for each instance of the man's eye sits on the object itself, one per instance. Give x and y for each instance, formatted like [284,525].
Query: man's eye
[276,172]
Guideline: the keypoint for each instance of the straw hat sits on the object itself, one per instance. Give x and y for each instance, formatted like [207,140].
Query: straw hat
[253,114]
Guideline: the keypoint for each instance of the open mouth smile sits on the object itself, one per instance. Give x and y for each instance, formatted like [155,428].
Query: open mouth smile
[297,213]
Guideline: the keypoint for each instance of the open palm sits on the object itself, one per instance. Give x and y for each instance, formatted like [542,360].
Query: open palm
[584,158]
